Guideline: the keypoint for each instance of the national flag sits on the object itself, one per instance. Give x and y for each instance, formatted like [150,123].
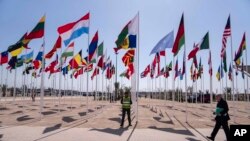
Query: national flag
[4,57]
[78,72]
[101,62]
[165,42]
[169,67]
[238,61]
[38,30]
[68,52]
[19,62]
[195,62]
[146,71]
[18,47]
[52,65]
[38,60]
[218,74]
[128,57]
[221,71]
[93,47]
[96,72]
[180,38]
[28,58]
[88,68]
[176,69]
[183,65]
[12,62]
[152,70]
[76,61]
[130,70]
[226,33]
[225,62]
[242,47]
[127,38]
[100,50]
[192,54]
[210,64]
[205,42]
[73,30]
[57,45]
[230,72]
[27,69]
[242,69]
[66,69]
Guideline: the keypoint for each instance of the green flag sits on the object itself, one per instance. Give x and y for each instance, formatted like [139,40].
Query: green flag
[100,50]
[205,42]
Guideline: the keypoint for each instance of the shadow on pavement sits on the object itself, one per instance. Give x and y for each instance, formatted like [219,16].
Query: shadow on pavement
[53,128]
[24,118]
[17,112]
[48,113]
[1,136]
[68,119]
[71,107]
[82,114]
[62,110]
[117,132]
[4,108]
[171,130]
[192,139]
[115,119]
[165,122]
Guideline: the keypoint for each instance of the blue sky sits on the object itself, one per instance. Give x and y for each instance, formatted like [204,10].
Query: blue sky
[157,18]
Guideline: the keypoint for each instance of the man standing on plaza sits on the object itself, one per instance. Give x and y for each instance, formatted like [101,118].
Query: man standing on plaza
[126,105]
[221,118]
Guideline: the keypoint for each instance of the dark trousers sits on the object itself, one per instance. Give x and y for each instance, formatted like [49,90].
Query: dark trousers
[218,124]
[124,111]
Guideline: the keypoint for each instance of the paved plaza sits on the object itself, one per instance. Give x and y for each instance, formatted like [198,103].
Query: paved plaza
[158,120]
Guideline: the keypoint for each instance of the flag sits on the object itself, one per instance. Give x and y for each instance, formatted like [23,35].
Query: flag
[73,30]
[226,33]
[57,45]
[93,47]
[101,62]
[78,72]
[38,60]
[183,65]
[210,64]
[27,69]
[146,71]
[66,69]
[176,69]
[100,50]
[88,68]
[19,62]
[28,57]
[76,61]
[3,57]
[38,30]
[218,74]
[165,42]
[18,47]
[242,47]
[127,37]
[52,65]
[128,57]
[221,71]
[169,67]
[237,62]
[230,72]
[192,54]
[68,52]
[12,62]
[225,61]
[195,62]
[205,42]
[180,38]
[96,72]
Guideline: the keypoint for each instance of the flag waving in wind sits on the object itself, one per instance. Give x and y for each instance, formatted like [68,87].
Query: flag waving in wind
[73,30]
[226,33]
[165,42]
[180,38]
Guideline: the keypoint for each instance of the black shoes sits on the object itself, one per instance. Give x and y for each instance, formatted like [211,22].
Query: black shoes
[212,139]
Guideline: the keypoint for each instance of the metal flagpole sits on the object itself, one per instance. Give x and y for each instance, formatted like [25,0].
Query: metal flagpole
[88,73]
[247,76]
[138,57]
[60,81]
[165,81]
[42,82]
[232,74]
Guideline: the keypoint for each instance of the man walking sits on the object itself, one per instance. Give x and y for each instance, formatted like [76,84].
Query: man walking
[221,118]
[126,105]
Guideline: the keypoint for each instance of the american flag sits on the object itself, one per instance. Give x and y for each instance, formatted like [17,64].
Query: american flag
[226,33]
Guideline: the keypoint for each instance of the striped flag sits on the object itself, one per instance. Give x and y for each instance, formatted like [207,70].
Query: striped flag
[226,33]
